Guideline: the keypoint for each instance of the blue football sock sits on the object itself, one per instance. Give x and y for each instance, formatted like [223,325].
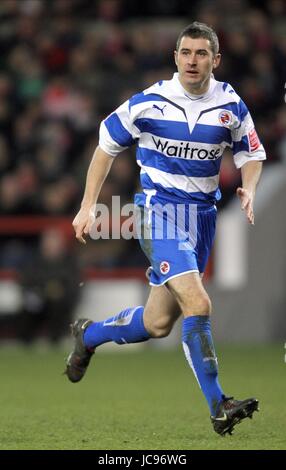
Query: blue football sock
[125,327]
[199,350]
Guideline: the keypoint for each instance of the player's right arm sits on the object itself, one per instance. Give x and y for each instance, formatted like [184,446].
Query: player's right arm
[116,133]
[97,172]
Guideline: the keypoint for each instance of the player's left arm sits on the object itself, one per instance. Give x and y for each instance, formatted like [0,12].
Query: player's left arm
[248,154]
[250,175]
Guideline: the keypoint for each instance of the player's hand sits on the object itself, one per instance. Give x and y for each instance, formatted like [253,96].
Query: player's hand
[246,200]
[82,223]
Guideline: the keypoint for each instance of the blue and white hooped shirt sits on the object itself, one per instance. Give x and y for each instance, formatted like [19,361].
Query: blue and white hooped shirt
[181,138]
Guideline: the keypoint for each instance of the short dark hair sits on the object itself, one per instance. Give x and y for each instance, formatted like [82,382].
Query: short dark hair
[200,30]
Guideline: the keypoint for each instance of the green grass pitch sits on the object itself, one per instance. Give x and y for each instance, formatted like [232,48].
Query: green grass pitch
[145,399]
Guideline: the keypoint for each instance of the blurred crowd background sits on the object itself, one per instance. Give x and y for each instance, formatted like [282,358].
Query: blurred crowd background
[66,64]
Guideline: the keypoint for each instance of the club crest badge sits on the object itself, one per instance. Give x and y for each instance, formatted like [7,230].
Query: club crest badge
[164,267]
[225,118]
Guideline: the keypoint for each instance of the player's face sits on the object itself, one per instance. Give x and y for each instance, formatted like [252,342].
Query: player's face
[195,62]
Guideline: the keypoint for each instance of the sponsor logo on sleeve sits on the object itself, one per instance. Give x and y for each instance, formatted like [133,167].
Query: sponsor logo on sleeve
[253,140]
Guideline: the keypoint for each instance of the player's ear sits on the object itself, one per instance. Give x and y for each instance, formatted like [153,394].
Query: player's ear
[176,57]
[216,61]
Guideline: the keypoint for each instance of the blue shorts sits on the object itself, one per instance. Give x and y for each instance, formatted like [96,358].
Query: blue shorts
[176,237]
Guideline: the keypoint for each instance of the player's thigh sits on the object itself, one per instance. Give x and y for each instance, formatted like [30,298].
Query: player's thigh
[190,294]
[161,309]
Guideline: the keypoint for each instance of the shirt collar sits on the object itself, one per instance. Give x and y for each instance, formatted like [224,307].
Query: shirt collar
[191,97]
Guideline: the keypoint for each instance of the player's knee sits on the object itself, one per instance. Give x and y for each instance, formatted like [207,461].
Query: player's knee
[202,306]
[160,328]
[206,306]
[160,332]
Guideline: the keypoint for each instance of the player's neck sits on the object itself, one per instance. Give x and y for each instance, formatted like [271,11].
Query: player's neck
[194,90]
